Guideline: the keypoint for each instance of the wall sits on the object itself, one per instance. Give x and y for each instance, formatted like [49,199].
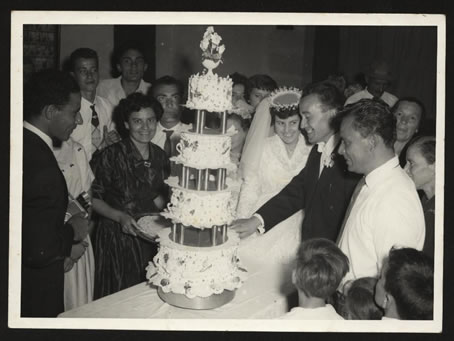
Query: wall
[281,53]
[96,37]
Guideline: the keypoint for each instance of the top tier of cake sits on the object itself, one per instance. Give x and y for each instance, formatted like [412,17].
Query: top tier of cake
[210,92]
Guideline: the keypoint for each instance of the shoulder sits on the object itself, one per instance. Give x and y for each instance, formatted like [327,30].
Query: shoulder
[103,102]
[356,97]
[108,82]
[157,151]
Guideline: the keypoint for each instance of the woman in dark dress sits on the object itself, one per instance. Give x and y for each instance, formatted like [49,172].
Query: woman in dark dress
[129,181]
[421,168]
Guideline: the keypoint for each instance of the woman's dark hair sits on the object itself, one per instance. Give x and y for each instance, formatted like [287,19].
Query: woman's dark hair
[133,103]
[238,78]
[262,82]
[359,301]
[283,114]
[409,278]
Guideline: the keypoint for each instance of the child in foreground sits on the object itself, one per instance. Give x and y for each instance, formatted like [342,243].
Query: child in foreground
[359,301]
[320,267]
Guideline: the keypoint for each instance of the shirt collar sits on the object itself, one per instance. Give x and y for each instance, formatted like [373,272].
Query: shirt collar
[46,138]
[380,173]
[176,127]
[328,147]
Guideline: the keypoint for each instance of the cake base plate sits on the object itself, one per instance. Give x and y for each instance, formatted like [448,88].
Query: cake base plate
[197,303]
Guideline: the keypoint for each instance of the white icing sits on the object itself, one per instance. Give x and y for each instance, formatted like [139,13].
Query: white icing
[200,209]
[204,151]
[195,271]
[210,92]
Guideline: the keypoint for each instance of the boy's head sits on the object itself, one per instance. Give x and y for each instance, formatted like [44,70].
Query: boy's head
[359,300]
[320,267]
[261,86]
[406,284]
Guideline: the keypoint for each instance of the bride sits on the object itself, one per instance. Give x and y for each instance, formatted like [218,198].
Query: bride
[267,165]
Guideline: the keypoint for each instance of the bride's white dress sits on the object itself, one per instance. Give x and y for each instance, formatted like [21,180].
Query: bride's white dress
[276,169]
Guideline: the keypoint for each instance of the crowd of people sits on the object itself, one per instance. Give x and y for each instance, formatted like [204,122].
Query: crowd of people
[340,184]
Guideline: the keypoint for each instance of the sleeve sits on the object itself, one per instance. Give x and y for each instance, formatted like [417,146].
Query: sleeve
[45,237]
[288,201]
[397,222]
[249,195]
[102,168]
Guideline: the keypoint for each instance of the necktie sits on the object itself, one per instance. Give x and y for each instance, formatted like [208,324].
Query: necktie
[321,147]
[168,142]
[95,131]
[355,194]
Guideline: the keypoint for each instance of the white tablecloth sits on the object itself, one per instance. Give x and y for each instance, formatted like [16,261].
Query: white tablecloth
[264,295]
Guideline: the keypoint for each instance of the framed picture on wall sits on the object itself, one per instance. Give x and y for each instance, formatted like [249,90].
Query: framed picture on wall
[41,46]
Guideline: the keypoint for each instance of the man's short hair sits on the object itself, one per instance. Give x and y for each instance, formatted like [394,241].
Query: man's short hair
[128,45]
[167,80]
[409,278]
[47,87]
[330,97]
[320,267]
[415,101]
[83,52]
[373,116]
[262,82]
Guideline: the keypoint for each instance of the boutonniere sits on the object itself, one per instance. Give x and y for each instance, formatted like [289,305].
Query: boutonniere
[328,162]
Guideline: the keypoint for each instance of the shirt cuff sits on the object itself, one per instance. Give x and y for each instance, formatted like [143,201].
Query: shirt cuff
[261,227]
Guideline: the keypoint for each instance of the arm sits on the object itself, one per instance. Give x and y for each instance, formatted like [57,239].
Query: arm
[128,224]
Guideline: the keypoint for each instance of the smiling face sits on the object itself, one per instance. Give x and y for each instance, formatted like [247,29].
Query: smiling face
[170,99]
[142,125]
[417,167]
[256,96]
[65,118]
[86,74]
[287,129]
[315,119]
[408,116]
[132,66]
[354,148]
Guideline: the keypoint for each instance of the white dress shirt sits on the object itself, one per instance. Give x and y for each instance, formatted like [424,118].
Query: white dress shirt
[38,132]
[386,213]
[82,133]
[322,313]
[114,92]
[388,98]
[159,138]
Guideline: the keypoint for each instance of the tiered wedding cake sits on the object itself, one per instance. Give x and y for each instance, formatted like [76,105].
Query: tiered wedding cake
[197,265]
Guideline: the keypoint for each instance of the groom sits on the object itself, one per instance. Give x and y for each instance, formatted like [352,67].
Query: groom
[324,187]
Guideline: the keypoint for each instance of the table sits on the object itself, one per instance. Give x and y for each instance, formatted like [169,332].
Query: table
[266,294]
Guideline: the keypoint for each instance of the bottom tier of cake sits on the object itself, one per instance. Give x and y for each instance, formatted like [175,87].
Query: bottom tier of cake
[196,271]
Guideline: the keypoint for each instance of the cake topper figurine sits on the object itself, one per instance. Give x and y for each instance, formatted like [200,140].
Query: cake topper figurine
[212,51]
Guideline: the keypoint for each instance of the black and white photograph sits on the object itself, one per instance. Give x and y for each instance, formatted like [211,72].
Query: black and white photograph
[227,171]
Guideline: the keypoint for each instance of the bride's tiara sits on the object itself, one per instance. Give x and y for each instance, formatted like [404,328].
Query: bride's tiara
[285,99]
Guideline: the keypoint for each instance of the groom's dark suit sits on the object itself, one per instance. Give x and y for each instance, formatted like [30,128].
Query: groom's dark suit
[323,199]
[46,240]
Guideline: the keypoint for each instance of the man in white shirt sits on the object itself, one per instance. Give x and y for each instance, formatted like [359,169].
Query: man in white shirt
[378,80]
[169,92]
[385,210]
[97,130]
[132,65]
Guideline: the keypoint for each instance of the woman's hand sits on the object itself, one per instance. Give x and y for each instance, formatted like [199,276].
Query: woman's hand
[68,264]
[128,224]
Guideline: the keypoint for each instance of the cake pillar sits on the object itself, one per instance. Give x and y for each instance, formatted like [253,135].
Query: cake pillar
[221,179]
[199,179]
[213,235]
[224,233]
[207,176]
[200,121]
[184,177]
[174,232]
[224,122]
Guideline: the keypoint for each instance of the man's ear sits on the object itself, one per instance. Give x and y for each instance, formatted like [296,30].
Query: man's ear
[293,276]
[373,141]
[127,125]
[49,111]
[118,67]
[145,67]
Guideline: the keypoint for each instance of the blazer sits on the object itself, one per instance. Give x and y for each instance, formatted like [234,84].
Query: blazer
[324,199]
[46,240]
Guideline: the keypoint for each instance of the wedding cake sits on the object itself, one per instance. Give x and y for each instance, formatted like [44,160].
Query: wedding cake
[197,265]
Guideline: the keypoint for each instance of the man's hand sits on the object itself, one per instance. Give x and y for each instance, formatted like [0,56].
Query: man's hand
[245,227]
[80,226]
[110,137]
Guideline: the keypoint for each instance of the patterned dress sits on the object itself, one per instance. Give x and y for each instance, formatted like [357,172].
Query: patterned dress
[126,182]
